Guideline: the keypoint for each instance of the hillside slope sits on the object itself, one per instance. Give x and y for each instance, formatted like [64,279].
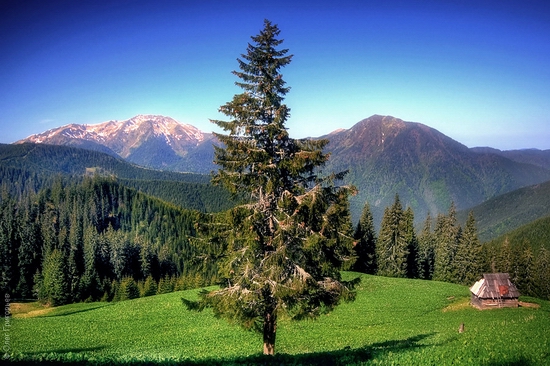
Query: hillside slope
[392,321]
[530,156]
[32,165]
[504,213]
[536,234]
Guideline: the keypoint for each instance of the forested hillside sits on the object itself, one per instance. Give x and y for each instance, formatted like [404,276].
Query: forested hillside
[78,241]
[536,234]
[429,170]
[524,253]
[66,160]
[30,167]
[504,213]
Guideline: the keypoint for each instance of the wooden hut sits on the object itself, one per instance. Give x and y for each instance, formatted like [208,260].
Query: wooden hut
[494,290]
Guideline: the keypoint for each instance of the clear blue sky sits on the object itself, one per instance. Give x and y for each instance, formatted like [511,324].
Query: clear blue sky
[478,71]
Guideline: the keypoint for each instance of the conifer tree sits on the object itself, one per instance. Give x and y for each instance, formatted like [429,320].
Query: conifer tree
[29,251]
[392,247]
[505,258]
[165,285]
[54,279]
[365,245]
[468,261]
[7,244]
[90,281]
[128,289]
[526,270]
[149,287]
[426,250]
[447,235]
[286,246]
[542,273]
[412,243]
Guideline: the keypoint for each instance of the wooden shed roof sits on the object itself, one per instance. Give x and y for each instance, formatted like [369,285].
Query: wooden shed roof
[495,286]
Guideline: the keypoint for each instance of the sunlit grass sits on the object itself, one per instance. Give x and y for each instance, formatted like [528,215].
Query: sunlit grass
[392,321]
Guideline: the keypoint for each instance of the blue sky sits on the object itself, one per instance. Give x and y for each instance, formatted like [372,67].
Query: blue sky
[477,71]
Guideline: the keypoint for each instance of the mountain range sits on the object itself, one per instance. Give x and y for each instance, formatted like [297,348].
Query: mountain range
[384,155]
[148,140]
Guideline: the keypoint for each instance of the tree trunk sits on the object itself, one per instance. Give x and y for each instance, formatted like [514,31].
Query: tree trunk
[270,327]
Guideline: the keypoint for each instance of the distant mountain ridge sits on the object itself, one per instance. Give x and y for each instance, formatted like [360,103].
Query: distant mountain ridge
[385,156]
[509,211]
[529,156]
[149,140]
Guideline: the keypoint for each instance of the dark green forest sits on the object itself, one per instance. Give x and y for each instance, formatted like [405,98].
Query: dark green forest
[29,167]
[82,241]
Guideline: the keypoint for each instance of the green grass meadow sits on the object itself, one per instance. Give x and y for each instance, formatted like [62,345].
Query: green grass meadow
[392,322]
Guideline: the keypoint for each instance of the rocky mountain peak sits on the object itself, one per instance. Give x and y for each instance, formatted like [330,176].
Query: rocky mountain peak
[146,139]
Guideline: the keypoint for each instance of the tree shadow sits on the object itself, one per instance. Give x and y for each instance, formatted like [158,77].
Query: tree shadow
[67,350]
[345,356]
[55,357]
[74,311]
[341,357]
[520,361]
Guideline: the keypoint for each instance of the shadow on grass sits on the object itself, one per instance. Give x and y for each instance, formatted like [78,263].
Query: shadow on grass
[70,311]
[63,351]
[342,357]
[67,356]
[520,361]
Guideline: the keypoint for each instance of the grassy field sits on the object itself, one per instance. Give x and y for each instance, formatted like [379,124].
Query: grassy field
[392,322]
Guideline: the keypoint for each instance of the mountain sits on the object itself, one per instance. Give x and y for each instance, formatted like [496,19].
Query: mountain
[385,156]
[147,140]
[531,156]
[502,214]
[388,156]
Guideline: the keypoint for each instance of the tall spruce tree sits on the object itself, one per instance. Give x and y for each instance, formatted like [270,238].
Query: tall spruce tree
[426,250]
[525,270]
[542,274]
[412,243]
[391,247]
[55,282]
[468,261]
[365,245]
[286,247]
[447,234]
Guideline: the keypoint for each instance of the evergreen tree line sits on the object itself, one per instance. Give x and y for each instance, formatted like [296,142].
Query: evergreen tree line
[444,251]
[529,267]
[95,239]
[192,191]
[91,240]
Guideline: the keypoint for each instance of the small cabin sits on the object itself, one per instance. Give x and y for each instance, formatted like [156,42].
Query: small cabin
[494,290]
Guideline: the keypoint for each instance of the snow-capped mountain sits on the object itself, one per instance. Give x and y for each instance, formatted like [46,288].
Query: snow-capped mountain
[148,140]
